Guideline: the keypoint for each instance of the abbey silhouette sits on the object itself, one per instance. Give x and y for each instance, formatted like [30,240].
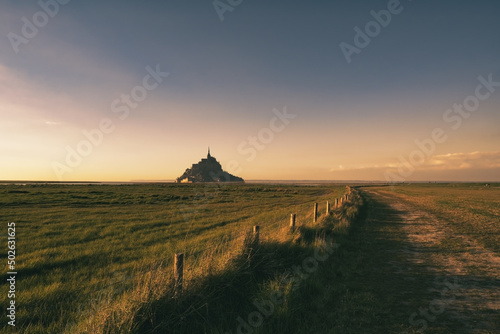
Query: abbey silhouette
[207,170]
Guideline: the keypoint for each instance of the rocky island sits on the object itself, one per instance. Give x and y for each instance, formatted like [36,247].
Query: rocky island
[207,170]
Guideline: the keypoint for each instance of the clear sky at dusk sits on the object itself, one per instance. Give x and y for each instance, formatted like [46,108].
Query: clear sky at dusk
[339,90]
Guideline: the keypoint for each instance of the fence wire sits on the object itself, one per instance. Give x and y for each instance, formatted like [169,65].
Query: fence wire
[124,279]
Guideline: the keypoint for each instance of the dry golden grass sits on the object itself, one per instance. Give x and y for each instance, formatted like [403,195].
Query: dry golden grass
[216,283]
[82,245]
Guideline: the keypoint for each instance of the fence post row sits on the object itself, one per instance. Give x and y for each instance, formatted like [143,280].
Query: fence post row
[179,257]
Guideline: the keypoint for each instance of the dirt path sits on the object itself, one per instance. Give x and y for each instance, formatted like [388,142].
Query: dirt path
[453,283]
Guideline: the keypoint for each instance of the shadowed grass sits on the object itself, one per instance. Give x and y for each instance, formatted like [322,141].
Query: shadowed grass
[74,242]
[221,288]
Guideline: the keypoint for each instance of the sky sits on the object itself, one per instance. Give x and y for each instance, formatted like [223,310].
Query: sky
[296,90]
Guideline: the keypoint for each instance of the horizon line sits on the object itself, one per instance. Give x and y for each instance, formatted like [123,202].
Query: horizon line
[250,181]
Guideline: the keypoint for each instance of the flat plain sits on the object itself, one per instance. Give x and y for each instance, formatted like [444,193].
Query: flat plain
[418,258]
[436,264]
[74,241]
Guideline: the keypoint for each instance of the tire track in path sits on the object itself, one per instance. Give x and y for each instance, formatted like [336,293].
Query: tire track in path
[454,289]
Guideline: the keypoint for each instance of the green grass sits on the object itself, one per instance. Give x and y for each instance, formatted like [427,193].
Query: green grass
[75,241]
[397,287]
[371,285]
[98,259]
[223,286]
[472,209]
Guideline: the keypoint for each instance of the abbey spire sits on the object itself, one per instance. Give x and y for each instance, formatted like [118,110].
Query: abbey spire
[207,170]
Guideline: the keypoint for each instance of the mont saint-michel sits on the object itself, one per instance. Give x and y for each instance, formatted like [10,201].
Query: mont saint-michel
[207,170]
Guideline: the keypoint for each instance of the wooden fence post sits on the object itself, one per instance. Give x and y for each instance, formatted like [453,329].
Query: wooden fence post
[327,207]
[292,222]
[178,271]
[336,203]
[256,229]
[315,217]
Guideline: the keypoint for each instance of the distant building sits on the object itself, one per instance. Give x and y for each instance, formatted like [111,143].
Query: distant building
[207,170]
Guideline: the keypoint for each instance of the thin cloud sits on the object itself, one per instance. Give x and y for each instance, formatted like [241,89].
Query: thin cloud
[450,161]
[472,160]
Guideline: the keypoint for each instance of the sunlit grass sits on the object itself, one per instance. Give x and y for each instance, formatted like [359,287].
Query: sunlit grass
[75,241]
[471,209]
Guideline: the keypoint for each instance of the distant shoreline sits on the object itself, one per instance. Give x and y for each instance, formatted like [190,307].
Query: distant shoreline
[304,182]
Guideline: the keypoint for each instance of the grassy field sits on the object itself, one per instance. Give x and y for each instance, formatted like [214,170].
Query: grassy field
[473,209]
[74,241]
[98,258]
[394,274]
[426,260]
